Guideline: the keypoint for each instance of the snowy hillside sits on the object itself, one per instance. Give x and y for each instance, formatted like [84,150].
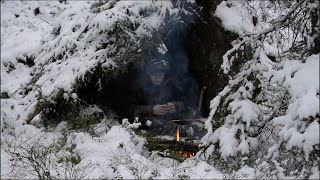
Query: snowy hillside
[263,125]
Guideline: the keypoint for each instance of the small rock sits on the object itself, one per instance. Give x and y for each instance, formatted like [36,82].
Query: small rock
[36,11]
[4,95]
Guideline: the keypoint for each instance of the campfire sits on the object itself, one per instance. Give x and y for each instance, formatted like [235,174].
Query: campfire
[185,154]
[177,145]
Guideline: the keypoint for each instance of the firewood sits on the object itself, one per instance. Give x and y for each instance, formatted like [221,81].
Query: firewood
[163,144]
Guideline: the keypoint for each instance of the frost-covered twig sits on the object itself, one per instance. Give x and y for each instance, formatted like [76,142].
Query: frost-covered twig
[42,159]
[280,21]
[137,166]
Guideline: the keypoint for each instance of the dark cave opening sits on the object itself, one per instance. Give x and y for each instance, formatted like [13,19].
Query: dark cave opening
[194,52]
[116,94]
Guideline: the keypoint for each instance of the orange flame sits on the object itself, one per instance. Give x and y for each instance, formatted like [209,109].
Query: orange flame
[178,134]
[185,154]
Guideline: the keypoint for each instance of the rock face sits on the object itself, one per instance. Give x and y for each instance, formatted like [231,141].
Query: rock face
[207,42]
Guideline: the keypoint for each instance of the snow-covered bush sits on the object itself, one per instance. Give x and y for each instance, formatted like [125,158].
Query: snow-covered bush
[46,56]
[74,41]
[268,115]
[34,155]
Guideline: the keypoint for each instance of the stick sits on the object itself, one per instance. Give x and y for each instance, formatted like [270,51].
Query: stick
[201,97]
[160,144]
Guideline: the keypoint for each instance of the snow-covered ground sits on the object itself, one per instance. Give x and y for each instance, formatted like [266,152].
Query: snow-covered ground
[114,154]
[118,152]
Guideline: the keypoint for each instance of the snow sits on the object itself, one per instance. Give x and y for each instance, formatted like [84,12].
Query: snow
[315,173]
[244,146]
[245,110]
[229,143]
[226,63]
[118,152]
[304,86]
[20,43]
[5,164]
[205,171]
[118,148]
[302,81]
[230,14]
[17,79]
[294,75]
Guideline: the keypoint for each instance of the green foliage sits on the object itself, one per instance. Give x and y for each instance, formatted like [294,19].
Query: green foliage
[61,144]
[241,57]
[84,123]
[73,112]
[73,159]
[231,163]
[104,74]
[61,110]
[218,119]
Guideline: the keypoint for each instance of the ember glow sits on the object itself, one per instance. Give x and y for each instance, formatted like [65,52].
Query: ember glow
[178,133]
[185,154]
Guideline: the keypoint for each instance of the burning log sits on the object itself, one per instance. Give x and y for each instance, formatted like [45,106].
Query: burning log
[190,127]
[179,147]
[162,144]
[182,145]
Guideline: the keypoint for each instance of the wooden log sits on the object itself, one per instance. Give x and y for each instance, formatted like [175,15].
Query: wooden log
[162,144]
[199,121]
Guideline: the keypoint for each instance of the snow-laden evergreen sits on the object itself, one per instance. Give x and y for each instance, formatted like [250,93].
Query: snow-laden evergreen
[268,115]
[43,56]
[82,36]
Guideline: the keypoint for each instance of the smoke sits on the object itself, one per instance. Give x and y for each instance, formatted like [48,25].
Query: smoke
[173,35]
[170,41]
[119,94]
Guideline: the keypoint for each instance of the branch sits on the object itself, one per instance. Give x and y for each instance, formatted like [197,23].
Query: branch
[280,21]
[226,63]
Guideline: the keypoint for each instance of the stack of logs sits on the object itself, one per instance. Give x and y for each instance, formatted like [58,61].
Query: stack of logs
[184,149]
[181,148]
